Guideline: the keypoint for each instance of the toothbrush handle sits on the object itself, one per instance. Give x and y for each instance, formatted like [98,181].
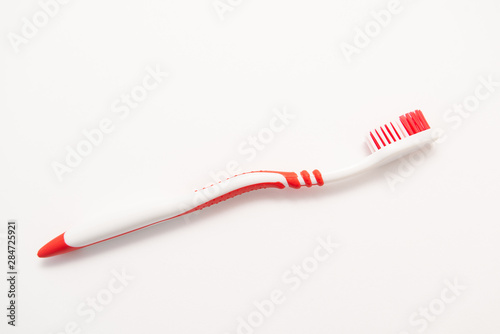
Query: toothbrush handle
[108,226]
[245,182]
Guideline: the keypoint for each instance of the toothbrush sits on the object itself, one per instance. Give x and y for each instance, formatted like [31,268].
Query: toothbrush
[387,143]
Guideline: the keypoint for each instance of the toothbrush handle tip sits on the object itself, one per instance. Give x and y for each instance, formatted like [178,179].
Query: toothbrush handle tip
[55,247]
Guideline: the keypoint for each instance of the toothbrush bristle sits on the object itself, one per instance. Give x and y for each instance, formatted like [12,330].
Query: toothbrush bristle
[407,125]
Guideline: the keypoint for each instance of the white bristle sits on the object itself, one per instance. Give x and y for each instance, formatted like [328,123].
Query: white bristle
[371,145]
[396,128]
[391,134]
[380,137]
[402,129]
[375,141]
[388,135]
[382,140]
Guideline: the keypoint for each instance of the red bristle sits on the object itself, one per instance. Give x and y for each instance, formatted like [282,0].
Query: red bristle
[375,141]
[422,119]
[412,123]
[406,125]
[381,140]
[418,121]
[388,130]
[397,134]
[385,135]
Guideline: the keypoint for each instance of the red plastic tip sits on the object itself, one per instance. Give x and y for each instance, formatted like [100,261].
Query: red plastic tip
[55,247]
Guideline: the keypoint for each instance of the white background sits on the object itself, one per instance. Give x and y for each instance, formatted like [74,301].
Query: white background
[398,244]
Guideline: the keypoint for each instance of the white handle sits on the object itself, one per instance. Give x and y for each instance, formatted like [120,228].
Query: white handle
[110,225]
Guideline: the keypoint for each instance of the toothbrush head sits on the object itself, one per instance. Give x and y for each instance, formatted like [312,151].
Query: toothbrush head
[407,125]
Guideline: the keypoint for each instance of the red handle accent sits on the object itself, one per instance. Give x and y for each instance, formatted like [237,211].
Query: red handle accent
[237,192]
